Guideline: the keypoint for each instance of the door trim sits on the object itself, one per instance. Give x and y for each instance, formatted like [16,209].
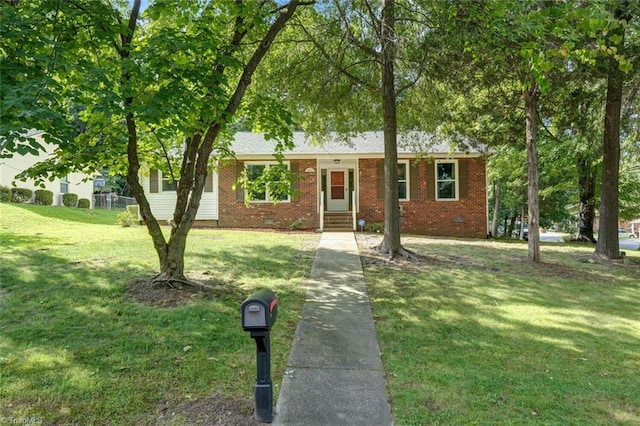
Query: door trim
[338,204]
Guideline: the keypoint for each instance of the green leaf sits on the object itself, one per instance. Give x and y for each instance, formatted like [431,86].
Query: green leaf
[625,66]
[615,38]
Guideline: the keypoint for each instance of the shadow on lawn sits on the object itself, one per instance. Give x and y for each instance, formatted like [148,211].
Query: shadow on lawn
[510,339]
[74,347]
[255,262]
[571,295]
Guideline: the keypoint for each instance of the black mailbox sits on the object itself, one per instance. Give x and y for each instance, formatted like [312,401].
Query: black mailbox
[260,310]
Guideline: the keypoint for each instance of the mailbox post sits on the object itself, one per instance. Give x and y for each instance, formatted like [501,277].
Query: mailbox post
[259,312]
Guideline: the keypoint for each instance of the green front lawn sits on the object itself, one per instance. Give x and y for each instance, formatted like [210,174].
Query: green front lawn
[77,347]
[473,333]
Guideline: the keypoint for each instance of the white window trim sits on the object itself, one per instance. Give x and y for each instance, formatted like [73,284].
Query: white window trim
[162,179]
[457,179]
[267,164]
[408,180]
[64,181]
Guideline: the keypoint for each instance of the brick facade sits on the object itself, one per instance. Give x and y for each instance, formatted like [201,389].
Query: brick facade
[466,217]
[302,210]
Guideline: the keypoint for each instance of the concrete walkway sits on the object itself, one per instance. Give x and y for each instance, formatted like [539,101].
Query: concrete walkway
[335,375]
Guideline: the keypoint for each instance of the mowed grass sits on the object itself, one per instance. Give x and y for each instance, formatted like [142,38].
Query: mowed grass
[75,347]
[473,333]
[470,334]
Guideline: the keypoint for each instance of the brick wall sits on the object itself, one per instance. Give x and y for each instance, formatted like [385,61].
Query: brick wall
[234,213]
[463,218]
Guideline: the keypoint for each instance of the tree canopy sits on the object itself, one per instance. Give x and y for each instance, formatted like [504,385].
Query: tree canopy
[552,85]
[115,88]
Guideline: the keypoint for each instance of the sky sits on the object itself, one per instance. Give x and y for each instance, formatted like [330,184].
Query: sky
[143,4]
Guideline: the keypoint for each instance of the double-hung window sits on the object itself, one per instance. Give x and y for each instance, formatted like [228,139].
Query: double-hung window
[265,187]
[64,185]
[446,180]
[168,184]
[403,180]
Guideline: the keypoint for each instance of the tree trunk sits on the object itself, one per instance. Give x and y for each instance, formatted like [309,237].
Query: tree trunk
[391,243]
[512,225]
[496,209]
[608,245]
[587,189]
[522,223]
[197,151]
[530,105]
[155,231]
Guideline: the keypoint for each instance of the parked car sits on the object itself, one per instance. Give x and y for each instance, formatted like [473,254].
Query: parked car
[625,234]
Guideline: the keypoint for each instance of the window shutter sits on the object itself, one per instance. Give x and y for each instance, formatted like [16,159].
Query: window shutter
[431,181]
[208,183]
[239,189]
[381,180]
[413,181]
[295,169]
[153,181]
[463,176]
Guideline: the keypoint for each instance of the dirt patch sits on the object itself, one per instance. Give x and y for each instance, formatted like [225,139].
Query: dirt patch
[433,406]
[519,266]
[367,245]
[212,410]
[371,256]
[551,270]
[160,295]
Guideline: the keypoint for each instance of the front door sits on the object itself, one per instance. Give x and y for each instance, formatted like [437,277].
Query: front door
[338,199]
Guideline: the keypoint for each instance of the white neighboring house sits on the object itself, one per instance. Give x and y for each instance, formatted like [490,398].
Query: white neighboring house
[162,197]
[73,183]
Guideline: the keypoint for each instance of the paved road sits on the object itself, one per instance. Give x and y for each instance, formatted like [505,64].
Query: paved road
[625,243]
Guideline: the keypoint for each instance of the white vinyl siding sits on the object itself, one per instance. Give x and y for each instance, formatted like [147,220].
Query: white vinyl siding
[163,203]
[75,183]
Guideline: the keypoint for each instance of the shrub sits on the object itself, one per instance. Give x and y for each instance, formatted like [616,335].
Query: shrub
[5,194]
[44,197]
[70,200]
[374,227]
[126,219]
[295,225]
[133,210]
[20,195]
[84,203]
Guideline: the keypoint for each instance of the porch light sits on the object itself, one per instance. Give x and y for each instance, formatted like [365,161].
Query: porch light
[336,161]
[309,170]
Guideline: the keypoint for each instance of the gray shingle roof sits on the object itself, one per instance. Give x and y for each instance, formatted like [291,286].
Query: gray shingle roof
[248,144]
